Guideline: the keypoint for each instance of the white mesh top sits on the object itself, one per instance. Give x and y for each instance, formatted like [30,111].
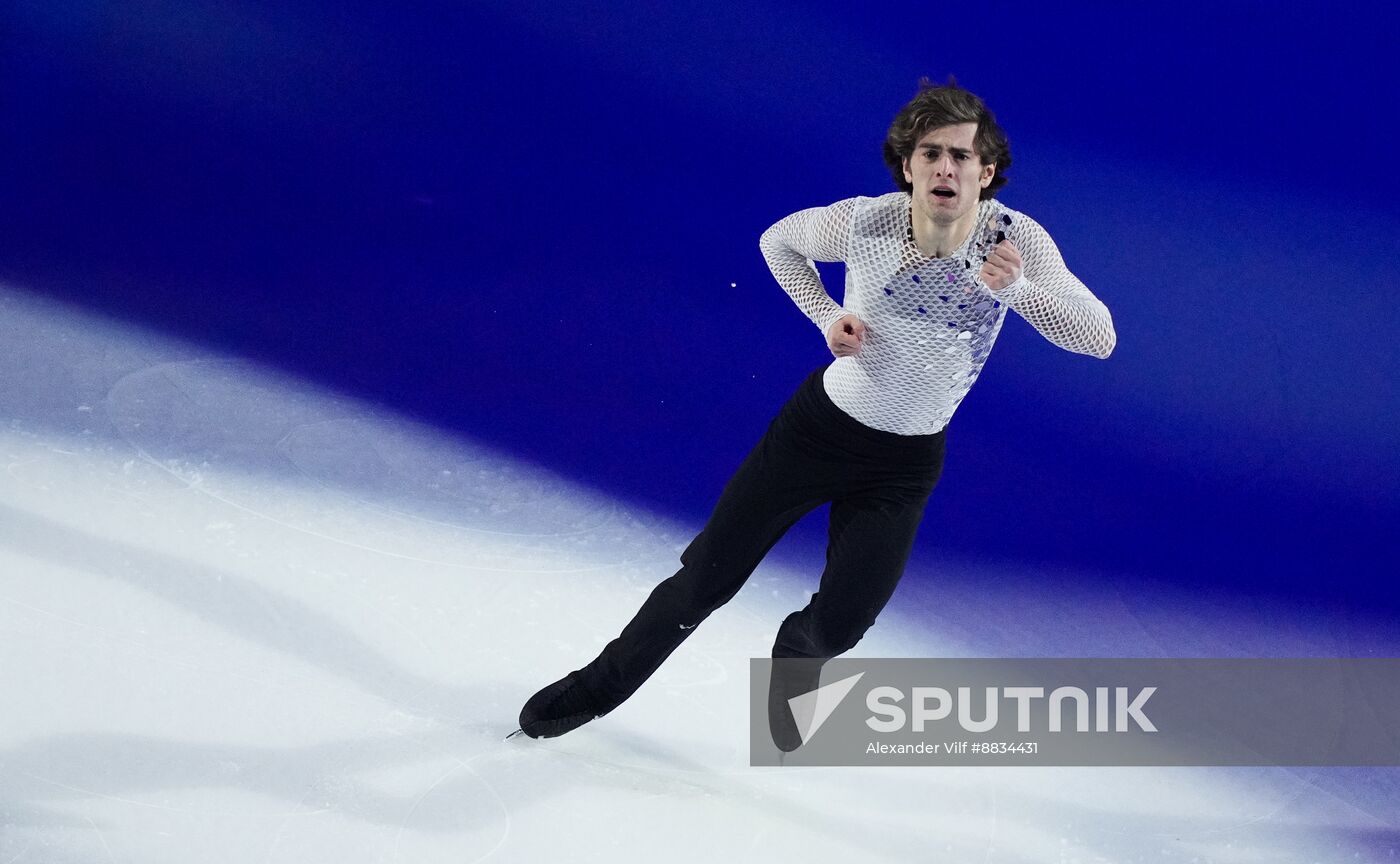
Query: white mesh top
[930,322]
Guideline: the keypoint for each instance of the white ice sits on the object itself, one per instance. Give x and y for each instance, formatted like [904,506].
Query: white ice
[248,620]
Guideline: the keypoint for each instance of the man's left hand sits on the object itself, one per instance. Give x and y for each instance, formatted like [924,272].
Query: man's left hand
[1002,267]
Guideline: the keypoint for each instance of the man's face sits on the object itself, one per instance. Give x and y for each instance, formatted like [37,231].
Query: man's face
[947,175]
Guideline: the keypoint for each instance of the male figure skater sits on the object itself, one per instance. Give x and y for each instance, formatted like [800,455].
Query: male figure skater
[930,272]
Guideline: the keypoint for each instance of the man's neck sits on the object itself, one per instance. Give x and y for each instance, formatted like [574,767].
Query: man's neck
[941,240]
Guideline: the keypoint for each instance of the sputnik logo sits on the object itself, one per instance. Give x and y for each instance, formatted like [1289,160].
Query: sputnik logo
[811,709]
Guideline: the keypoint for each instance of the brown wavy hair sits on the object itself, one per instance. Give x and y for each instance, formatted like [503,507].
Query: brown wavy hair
[938,105]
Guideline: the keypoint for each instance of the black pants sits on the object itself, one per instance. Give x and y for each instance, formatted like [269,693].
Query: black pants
[813,452]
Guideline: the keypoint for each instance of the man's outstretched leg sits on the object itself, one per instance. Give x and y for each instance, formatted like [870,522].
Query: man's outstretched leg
[746,523]
[774,487]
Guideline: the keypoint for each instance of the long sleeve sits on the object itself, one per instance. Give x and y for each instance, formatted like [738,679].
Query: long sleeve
[794,242]
[1052,299]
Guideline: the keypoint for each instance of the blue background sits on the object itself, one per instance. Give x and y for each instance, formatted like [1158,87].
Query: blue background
[521,221]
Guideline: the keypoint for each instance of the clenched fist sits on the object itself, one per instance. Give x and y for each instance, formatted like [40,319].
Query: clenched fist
[1002,267]
[846,336]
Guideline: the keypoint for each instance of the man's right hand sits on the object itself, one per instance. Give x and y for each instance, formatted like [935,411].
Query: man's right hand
[846,336]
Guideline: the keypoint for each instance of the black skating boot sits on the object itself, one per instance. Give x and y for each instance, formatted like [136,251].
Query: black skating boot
[561,707]
[788,678]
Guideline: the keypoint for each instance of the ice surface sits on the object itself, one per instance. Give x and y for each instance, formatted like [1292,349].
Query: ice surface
[245,620]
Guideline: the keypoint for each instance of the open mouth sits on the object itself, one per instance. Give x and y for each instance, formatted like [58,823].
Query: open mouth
[944,192]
